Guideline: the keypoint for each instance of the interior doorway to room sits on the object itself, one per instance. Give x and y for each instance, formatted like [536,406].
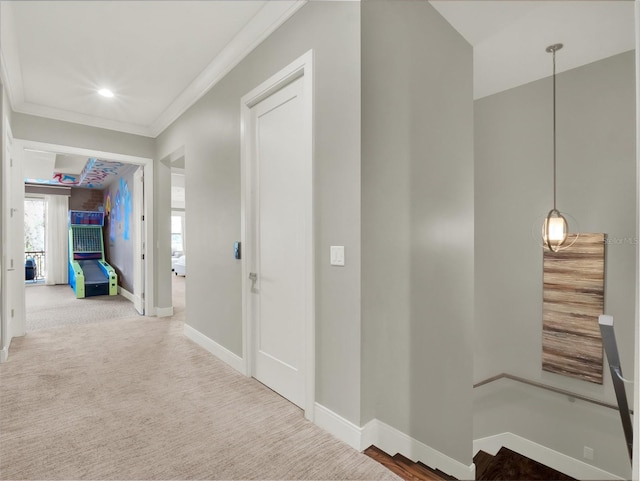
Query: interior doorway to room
[37,240]
[178,237]
[278,233]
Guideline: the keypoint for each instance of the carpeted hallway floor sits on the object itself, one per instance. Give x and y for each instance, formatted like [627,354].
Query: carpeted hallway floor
[55,306]
[135,399]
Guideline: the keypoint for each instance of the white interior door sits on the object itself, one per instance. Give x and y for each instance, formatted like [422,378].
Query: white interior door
[281,187]
[138,240]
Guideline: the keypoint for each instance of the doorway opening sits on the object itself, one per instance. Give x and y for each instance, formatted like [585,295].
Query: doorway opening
[35,235]
[277,232]
[178,235]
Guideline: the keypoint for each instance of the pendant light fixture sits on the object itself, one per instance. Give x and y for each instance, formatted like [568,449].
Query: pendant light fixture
[555,228]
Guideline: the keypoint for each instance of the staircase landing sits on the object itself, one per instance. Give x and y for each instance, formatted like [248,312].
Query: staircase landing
[506,465]
[405,468]
[509,465]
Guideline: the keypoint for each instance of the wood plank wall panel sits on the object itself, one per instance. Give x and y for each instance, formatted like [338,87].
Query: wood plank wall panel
[573,298]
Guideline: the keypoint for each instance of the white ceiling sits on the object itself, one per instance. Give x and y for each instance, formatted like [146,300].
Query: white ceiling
[159,57]
[509,37]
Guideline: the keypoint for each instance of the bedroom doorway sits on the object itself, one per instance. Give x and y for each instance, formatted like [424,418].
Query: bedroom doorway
[178,236]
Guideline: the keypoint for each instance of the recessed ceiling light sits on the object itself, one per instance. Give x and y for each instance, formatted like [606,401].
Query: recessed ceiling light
[106,93]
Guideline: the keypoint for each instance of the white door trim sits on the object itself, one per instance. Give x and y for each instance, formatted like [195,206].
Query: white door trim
[148,236]
[301,67]
[6,280]
[138,243]
[636,404]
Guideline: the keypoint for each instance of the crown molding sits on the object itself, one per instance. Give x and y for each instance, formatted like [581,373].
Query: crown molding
[13,86]
[4,79]
[11,77]
[83,119]
[263,24]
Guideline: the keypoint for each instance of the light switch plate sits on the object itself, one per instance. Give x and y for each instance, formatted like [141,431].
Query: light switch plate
[337,255]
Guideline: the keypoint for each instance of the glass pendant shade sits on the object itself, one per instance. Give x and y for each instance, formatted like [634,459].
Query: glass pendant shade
[555,230]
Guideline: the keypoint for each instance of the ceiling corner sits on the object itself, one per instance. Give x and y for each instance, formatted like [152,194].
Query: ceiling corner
[263,24]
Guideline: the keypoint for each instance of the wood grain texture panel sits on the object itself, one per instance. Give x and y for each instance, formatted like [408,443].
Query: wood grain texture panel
[573,298]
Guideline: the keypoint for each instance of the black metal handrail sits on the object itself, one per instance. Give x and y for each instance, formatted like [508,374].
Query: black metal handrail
[40,262]
[613,357]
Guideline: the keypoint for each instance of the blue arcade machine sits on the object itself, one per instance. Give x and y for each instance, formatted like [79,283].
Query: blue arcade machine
[89,273]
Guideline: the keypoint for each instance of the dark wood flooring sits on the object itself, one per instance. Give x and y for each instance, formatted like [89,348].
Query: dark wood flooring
[404,467]
[509,465]
[505,465]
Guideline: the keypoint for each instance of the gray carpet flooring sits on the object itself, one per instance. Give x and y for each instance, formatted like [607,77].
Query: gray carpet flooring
[135,399]
[55,306]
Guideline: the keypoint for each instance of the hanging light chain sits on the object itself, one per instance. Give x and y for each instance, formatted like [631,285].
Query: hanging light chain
[553,49]
[554,128]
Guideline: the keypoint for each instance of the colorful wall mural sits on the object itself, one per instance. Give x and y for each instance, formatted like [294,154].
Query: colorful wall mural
[58,179]
[96,175]
[118,207]
[119,211]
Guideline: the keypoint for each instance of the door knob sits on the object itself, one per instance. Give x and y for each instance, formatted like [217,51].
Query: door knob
[253,276]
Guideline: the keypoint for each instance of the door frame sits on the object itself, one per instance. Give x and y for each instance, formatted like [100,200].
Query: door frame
[138,241]
[7,278]
[301,67]
[636,403]
[147,237]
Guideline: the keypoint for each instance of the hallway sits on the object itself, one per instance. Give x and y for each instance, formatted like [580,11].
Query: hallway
[135,399]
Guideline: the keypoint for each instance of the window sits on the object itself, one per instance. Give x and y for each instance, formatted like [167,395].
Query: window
[34,222]
[35,213]
[177,238]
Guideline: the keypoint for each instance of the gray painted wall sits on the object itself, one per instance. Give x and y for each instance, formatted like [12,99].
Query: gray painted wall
[210,135]
[6,106]
[417,224]
[554,421]
[513,183]
[40,129]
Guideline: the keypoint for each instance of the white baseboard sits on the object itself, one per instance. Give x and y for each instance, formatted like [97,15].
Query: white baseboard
[126,294]
[216,349]
[340,427]
[542,454]
[390,440]
[4,355]
[164,311]
[135,300]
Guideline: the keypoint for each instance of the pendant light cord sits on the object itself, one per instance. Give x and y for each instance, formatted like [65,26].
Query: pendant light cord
[554,129]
